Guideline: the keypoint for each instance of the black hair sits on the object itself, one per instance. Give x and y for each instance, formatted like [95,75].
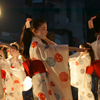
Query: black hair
[15,46]
[96,24]
[90,51]
[27,34]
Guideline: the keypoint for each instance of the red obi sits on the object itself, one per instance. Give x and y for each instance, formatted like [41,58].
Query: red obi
[3,74]
[94,67]
[89,70]
[33,67]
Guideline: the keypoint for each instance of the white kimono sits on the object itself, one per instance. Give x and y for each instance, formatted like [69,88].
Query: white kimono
[55,85]
[98,55]
[1,83]
[2,86]
[79,78]
[13,81]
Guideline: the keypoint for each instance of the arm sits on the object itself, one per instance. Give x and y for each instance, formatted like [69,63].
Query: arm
[77,49]
[49,41]
[6,45]
[70,48]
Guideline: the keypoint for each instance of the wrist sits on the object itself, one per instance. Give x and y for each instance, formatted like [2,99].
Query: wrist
[76,49]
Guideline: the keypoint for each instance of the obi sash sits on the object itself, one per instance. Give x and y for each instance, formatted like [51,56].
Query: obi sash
[33,67]
[94,67]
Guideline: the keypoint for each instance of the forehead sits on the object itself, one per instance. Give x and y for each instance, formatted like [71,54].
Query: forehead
[12,49]
[44,25]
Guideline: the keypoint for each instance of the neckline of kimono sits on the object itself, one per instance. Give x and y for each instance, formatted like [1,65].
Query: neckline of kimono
[11,63]
[36,38]
[85,55]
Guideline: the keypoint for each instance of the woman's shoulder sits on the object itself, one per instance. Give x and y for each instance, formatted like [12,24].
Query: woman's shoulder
[86,56]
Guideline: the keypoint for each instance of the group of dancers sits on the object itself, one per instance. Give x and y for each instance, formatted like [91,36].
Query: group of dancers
[47,65]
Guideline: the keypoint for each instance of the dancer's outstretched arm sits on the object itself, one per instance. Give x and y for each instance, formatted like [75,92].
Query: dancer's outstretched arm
[78,49]
[6,45]
[70,48]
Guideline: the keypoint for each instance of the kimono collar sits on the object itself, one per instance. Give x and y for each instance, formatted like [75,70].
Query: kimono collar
[35,39]
[85,55]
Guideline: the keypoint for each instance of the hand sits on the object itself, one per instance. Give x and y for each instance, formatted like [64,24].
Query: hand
[6,45]
[45,38]
[83,50]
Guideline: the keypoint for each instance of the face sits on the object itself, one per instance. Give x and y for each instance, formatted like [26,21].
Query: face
[13,52]
[42,31]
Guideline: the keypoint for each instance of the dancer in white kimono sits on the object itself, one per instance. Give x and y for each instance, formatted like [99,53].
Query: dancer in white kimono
[94,23]
[48,64]
[15,63]
[79,77]
[2,72]
[2,77]
[14,75]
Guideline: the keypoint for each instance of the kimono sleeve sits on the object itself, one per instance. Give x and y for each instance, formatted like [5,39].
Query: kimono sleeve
[18,73]
[55,59]
[78,70]
[1,87]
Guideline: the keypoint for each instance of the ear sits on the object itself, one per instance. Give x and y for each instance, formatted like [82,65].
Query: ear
[34,31]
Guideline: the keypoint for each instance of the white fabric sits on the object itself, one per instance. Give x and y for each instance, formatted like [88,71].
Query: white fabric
[98,55]
[55,59]
[98,47]
[13,82]
[41,87]
[1,87]
[79,78]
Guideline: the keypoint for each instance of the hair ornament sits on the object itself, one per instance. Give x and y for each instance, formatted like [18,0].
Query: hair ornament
[88,44]
[27,24]
[90,22]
